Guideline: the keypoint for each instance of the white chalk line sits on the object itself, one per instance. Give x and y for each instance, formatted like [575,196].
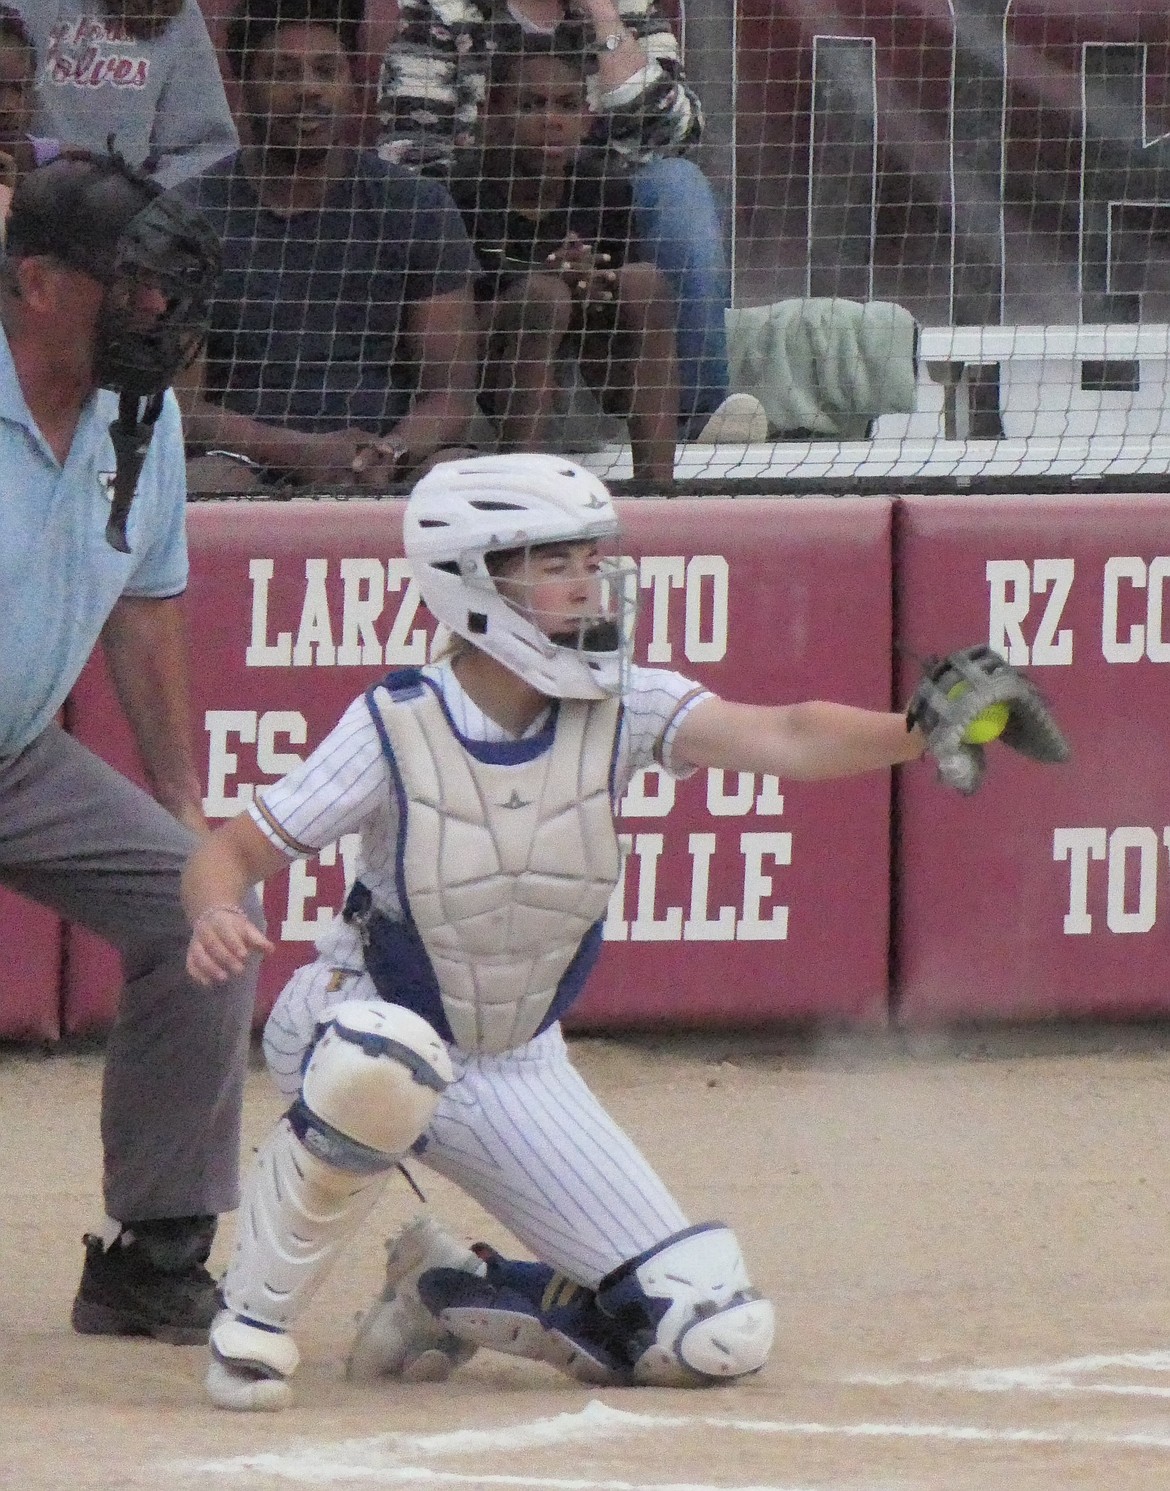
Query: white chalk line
[379,1461]
[417,1475]
[1068,1376]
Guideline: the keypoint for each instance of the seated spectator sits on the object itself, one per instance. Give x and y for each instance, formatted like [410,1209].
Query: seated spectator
[20,150]
[432,88]
[552,225]
[141,71]
[342,344]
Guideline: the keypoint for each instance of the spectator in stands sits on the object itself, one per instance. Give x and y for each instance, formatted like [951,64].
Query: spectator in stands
[431,91]
[553,228]
[20,150]
[342,343]
[141,71]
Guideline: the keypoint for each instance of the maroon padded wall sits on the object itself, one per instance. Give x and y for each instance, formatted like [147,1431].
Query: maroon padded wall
[746,596]
[1048,893]
[30,970]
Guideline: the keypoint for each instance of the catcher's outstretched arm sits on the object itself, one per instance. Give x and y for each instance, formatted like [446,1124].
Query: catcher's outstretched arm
[803,742]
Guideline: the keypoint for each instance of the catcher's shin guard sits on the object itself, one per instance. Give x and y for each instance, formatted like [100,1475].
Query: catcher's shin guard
[682,1314]
[369,1089]
[250,1365]
[689,1310]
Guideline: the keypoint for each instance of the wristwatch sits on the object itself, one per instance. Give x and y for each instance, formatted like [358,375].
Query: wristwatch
[611,42]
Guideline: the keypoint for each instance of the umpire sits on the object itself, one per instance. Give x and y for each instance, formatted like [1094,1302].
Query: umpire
[103,294]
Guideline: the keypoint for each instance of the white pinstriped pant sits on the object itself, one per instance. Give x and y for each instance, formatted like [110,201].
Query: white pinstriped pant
[520,1132]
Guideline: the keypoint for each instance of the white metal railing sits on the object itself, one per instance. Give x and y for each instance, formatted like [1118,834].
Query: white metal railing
[1104,341]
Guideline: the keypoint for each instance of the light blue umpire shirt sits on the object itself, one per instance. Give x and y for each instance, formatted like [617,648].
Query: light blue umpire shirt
[59,579]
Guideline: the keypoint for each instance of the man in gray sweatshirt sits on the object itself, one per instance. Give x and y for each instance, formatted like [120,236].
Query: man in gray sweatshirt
[144,71]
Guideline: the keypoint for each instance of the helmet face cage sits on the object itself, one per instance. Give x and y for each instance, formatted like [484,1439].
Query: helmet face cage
[601,640]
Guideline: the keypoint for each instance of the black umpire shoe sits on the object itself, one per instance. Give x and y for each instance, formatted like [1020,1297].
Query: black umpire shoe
[150,1281]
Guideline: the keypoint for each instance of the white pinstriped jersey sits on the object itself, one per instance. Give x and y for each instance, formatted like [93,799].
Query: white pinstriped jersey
[518,1130]
[344,786]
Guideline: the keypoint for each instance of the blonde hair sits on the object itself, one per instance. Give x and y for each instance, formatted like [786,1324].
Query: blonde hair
[447,645]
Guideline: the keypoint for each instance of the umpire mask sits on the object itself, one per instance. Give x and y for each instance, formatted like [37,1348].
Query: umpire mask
[98,215]
[170,248]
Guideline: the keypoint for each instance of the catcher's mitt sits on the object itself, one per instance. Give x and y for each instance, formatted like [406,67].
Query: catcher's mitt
[967,694]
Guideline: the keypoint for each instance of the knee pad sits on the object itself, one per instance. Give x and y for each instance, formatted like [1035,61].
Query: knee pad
[692,1313]
[369,1089]
[370,1086]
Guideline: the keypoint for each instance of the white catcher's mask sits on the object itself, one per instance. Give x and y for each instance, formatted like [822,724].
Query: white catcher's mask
[462,511]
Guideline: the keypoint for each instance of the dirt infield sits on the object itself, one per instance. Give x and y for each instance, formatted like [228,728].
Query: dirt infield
[966,1239]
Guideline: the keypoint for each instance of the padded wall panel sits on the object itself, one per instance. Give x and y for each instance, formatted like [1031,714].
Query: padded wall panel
[1048,892]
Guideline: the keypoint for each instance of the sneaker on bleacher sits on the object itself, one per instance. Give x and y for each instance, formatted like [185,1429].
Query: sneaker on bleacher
[739,420]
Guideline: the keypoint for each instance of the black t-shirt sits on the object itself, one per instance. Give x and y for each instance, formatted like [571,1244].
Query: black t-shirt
[597,205]
[307,320]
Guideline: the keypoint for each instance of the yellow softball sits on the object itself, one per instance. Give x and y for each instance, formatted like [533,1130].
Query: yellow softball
[989,724]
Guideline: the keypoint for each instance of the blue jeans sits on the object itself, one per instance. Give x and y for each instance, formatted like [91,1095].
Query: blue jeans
[681,231]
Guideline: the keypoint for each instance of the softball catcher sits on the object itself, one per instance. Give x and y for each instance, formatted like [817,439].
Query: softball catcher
[484,789]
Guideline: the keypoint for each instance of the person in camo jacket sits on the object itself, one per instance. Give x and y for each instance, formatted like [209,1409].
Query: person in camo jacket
[432,88]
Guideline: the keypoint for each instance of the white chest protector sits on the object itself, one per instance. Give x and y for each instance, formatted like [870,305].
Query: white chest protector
[508,856]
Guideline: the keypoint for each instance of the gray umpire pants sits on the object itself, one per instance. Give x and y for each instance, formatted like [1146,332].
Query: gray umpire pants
[78,837]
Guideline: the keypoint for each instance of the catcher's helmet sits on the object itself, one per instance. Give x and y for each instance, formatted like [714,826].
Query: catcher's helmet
[97,214]
[461,512]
